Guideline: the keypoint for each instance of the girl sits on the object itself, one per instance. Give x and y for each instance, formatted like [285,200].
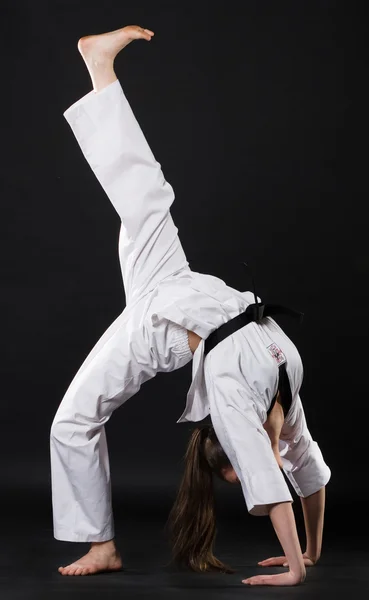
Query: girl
[170,312]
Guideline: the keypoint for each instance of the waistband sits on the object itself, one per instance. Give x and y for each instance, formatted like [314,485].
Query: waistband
[180,344]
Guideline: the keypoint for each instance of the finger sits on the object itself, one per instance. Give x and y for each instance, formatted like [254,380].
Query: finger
[266,561]
[257,580]
[266,580]
[273,561]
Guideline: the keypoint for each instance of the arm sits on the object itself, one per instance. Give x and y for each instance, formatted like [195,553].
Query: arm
[284,524]
[241,434]
[308,474]
[313,508]
[273,426]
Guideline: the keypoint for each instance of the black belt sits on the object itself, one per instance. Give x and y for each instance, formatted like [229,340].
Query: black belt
[254,312]
[284,389]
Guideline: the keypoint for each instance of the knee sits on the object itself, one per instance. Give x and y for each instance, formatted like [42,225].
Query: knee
[71,427]
[57,430]
[64,425]
[68,417]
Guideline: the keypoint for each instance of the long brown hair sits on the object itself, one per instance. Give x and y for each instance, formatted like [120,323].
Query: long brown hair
[191,522]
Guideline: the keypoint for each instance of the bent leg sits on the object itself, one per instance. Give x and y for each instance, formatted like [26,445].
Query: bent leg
[79,455]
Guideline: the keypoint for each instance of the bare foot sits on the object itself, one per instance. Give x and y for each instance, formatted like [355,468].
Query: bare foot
[102,557]
[99,52]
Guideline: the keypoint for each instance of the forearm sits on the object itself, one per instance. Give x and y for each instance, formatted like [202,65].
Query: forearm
[313,508]
[284,524]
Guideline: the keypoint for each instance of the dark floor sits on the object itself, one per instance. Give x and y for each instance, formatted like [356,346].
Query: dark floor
[30,557]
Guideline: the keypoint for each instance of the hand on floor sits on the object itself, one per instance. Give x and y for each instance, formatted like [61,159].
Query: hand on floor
[281,561]
[280,579]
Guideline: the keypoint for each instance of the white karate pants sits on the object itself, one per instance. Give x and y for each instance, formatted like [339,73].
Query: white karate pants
[131,351]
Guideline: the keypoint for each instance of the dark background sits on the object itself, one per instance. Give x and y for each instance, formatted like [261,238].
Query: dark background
[256,111]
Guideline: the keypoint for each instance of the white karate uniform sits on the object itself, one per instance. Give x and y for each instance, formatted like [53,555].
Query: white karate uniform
[235,383]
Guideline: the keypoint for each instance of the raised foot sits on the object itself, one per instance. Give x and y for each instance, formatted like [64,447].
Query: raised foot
[98,48]
[95,561]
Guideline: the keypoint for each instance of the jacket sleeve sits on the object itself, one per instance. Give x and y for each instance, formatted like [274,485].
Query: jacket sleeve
[244,440]
[303,462]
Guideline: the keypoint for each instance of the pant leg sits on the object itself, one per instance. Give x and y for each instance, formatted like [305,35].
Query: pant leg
[303,462]
[79,455]
[117,152]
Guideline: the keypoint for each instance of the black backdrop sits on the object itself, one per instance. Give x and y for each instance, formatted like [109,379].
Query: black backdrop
[254,111]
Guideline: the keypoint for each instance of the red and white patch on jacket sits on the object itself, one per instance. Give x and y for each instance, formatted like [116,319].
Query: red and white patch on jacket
[277,354]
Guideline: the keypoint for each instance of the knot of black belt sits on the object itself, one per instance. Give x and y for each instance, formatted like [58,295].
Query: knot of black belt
[254,312]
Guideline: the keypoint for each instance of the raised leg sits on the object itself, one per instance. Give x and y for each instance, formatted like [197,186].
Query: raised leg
[119,155]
